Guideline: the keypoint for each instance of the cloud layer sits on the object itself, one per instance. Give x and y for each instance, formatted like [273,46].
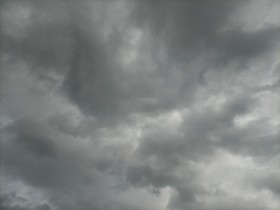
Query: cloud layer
[139,105]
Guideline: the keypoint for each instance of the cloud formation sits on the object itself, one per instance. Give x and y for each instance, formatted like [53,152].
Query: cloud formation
[137,105]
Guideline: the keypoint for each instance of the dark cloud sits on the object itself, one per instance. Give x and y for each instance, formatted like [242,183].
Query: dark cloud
[196,132]
[7,203]
[35,141]
[138,105]
[241,45]
[187,27]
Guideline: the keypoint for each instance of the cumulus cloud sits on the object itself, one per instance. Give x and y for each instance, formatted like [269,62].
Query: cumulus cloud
[139,105]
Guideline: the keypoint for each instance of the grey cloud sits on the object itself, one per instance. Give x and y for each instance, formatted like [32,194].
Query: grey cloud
[144,174]
[237,44]
[196,130]
[149,174]
[252,141]
[31,136]
[186,29]
[197,143]
[90,60]
[45,41]
[270,182]
[61,174]
[7,202]
[91,131]
[187,26]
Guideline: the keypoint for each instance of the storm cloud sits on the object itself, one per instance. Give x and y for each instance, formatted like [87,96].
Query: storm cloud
[139,105]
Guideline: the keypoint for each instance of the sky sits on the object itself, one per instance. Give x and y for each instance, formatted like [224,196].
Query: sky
[140,105]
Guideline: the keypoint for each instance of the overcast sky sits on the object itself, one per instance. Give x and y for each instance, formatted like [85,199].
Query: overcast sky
[140,105]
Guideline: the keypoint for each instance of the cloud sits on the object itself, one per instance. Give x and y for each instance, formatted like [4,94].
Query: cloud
[139,105]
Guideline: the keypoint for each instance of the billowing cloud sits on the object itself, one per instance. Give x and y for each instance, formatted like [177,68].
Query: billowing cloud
[139,105]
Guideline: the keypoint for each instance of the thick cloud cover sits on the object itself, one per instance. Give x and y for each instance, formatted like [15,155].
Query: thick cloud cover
[139,105]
